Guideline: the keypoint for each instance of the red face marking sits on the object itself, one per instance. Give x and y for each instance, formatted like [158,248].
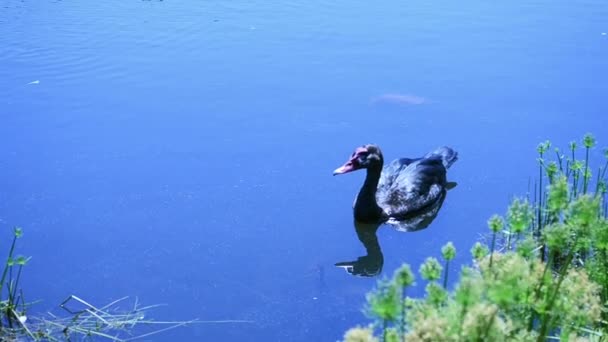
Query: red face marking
[353,163]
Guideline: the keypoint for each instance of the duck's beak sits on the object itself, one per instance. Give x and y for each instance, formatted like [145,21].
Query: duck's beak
[352,164]
[346,168]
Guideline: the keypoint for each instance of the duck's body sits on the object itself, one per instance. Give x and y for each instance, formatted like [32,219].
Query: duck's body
[400,189]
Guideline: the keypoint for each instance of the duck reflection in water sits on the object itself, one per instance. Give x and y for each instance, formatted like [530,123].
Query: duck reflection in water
[370,265]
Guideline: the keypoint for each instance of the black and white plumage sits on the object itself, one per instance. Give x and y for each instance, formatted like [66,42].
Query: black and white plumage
[402,189]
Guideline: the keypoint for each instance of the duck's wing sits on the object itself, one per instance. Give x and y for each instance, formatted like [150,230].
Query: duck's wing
[420,219]
[447,155]
[414,187]
[391,171]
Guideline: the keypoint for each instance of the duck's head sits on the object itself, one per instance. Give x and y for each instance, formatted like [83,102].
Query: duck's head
[364,157]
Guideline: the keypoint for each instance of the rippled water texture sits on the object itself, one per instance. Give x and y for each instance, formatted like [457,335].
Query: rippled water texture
[181,152]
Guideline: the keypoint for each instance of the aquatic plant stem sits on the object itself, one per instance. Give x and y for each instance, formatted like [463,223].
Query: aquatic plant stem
[6,265]
[540,194]
[489,325]
[492,246]
[10,303]
[546,319]
[539,288]
[536,231]
[597,181]
[384,328]
[600,178]
[403,313]
[572,148]
[509,234]
[463,313]
[559,159]
[575,175]
[604,292]
[585,174]
[15,286]
[570,169]
[445,273]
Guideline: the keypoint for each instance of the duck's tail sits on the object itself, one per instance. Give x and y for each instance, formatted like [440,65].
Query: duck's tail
[448,155]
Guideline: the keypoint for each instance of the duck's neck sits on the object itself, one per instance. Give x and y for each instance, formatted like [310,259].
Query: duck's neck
[366,207]
[366,232]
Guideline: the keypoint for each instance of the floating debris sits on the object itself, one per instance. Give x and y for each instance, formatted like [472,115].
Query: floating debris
[400,99]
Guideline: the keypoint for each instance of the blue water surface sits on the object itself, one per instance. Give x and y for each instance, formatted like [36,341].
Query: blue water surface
[181,152]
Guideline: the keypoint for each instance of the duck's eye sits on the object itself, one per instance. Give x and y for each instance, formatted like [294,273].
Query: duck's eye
[360,153]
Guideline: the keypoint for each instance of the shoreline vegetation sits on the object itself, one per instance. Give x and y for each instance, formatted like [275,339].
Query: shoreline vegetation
[81,319]
[542,276]
[118,321]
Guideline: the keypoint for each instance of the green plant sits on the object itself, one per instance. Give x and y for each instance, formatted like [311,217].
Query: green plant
[449,253]
[548,281]
[12,305]
[576,218]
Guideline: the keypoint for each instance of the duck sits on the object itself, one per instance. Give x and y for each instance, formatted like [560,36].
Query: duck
[403,188]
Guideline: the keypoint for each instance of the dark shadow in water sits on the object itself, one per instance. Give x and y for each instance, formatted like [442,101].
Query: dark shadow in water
[370,265]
